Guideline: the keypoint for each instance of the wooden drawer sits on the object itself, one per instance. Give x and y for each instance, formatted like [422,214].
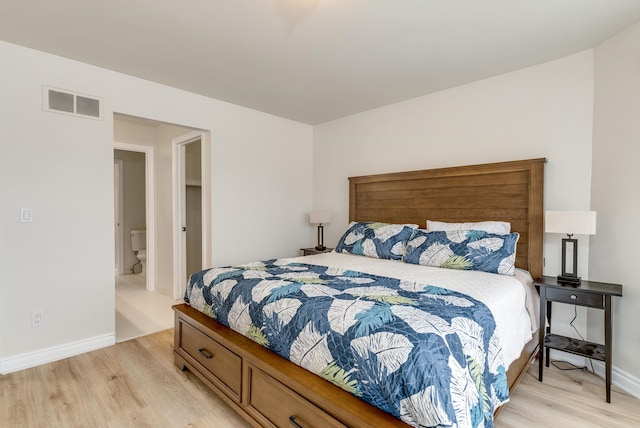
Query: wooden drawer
[219,364]
[282,407]
[574,297]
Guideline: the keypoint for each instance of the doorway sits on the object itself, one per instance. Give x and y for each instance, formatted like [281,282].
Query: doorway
[193,215]
[189,185]
[137,211]
[156,141]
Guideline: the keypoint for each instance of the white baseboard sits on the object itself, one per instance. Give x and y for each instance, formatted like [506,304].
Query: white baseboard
[623,380]
[55,353]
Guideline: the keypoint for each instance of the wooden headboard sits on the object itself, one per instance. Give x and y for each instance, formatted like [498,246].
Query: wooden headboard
[504,191]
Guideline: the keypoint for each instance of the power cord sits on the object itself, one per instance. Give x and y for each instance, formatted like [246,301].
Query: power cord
[556,364]
[573,366]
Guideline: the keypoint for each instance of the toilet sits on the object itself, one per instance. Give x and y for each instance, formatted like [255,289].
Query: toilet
[139,246]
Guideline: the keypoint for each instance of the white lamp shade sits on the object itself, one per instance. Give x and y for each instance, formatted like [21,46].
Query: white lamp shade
[319,217]
[570,222]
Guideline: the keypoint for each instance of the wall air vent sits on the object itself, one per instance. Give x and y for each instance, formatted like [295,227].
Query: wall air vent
[68,102]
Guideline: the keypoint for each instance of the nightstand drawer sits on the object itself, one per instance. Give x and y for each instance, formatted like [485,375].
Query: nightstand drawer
[575,297]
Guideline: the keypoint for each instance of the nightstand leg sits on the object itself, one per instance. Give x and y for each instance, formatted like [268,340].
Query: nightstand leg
[607,344]
[548,330]
[542,330]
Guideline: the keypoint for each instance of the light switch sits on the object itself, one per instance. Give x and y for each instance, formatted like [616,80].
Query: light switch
[26,216]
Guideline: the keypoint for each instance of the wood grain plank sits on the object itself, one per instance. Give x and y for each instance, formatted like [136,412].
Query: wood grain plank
[503,191]
[131,384]
[566,398]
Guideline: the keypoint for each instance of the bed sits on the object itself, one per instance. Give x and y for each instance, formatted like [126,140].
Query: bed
[268,390]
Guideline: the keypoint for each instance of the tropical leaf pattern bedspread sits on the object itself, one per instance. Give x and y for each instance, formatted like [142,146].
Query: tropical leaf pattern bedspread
[425,354]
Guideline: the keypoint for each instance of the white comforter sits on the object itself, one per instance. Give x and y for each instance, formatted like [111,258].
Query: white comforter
[513,300]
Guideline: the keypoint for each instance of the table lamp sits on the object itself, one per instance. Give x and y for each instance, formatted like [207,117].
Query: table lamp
[320,218]
[571,223]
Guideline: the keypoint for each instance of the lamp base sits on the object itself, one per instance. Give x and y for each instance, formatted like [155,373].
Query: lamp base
[320,246]
[569,280]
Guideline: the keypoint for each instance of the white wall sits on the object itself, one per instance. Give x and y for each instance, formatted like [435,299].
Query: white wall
[542,111]
[62,168]
[615,195]
[192,162]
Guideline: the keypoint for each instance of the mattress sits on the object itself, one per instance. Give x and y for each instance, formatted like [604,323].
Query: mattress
[430,346]
[513,300]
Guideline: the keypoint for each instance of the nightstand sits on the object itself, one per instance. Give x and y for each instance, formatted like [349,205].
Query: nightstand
[590,294]
[311,251]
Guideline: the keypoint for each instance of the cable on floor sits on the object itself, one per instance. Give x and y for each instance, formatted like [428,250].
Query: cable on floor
[556,364]
[573,366]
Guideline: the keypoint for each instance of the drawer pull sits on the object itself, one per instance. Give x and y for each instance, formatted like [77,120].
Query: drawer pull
[205,353]
[292,419]
[574,297]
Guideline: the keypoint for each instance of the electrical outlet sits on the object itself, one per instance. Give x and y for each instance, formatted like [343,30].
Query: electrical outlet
[37,318]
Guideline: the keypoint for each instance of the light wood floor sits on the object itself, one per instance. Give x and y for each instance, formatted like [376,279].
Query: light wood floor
[135,384]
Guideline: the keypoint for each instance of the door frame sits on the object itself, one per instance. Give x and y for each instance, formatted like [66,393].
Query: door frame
[150,206]
[179,205]
[119,201]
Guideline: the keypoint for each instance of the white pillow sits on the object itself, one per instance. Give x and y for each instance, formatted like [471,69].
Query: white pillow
[496,227]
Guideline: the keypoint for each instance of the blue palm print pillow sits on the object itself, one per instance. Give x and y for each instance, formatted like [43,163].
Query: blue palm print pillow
[464,249]
[379,240]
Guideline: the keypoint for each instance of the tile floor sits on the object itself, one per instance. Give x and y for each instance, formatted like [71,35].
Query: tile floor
[138,311]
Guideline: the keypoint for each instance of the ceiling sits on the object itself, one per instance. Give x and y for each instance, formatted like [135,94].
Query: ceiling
[313,60]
